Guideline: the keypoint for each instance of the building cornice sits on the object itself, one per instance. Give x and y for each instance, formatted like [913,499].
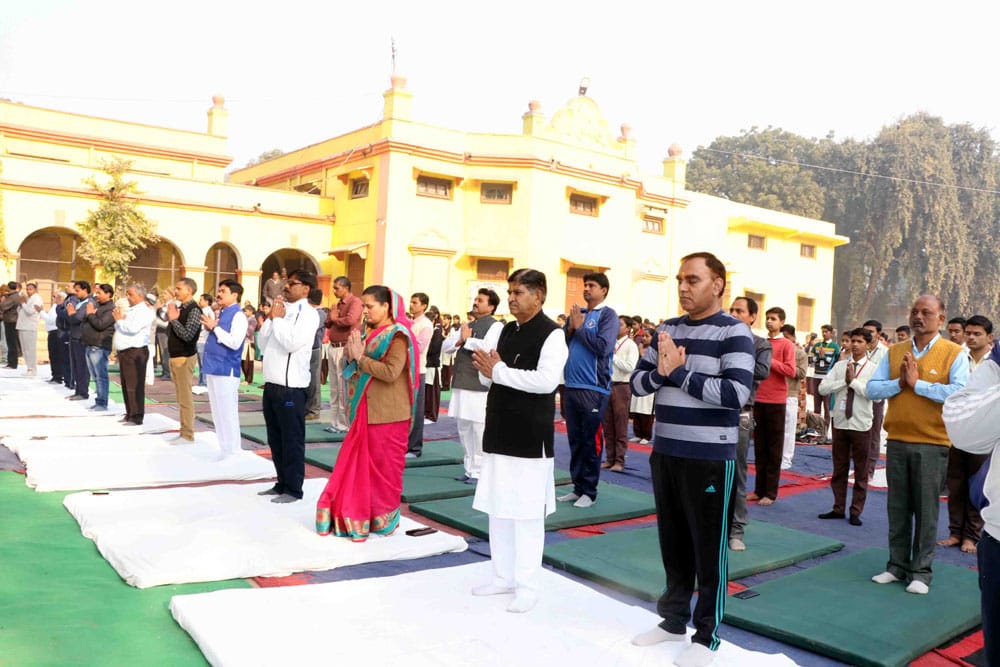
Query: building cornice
[112,146]
[149,200]
[355,155]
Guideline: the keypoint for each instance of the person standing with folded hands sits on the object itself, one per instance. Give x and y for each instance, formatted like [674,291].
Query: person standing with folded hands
[362,496]
[852,422]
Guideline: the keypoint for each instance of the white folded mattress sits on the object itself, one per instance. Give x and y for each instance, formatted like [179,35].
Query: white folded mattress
[212,533]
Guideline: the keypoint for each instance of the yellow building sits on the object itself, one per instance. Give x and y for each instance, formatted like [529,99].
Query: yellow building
[408,204]
[432,209]
[209,230]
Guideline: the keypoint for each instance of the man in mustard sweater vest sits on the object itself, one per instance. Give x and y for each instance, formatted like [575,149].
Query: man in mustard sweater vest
[917,376]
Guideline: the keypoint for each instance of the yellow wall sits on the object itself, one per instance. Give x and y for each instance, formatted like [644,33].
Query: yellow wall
[46,157]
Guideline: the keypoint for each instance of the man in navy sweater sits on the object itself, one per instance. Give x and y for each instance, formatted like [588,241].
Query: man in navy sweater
[701,368]
[591,333]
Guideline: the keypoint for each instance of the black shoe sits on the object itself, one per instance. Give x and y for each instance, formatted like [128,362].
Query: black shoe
[831,515]
[463,478]
[77,397]
[855,520]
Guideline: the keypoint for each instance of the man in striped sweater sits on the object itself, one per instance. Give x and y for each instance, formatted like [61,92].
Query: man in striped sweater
[700,366]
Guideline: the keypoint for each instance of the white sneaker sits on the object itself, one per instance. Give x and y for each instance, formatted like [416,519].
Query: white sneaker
[634,439]
[644,442]
[568,498]
[584,501]
[656,636]
[736,544]
[695,655]
[918,587]
[885,578]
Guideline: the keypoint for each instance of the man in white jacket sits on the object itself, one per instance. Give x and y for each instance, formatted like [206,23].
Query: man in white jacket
[972,417]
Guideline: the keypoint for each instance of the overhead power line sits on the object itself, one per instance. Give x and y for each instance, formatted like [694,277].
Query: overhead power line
[771,160]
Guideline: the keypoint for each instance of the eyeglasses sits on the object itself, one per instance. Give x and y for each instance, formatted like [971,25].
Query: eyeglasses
[293,283]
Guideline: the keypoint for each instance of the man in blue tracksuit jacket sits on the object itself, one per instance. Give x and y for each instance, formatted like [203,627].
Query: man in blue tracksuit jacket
[590,333]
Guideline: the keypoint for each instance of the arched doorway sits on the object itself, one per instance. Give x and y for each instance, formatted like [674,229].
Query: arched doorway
[53,254]
[221,263]
[157,265]
[287,259]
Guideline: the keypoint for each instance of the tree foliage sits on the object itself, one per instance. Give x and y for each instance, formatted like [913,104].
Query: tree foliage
[918,202]
[117,229]
[265,156]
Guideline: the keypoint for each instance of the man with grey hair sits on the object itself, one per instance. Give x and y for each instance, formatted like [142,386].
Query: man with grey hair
[132,329]
[27,326]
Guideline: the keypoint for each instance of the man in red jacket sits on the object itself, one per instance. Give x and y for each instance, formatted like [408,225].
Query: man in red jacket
[769,411]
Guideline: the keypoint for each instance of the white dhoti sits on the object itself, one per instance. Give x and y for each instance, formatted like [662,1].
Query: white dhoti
[518,494]
[151,365]
[791,419]
[469,409]
[223,397]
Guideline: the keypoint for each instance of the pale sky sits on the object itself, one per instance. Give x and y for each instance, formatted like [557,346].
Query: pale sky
[296,73]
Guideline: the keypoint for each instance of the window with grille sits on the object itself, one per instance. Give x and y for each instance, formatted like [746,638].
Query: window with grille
[496,193]
[434,187]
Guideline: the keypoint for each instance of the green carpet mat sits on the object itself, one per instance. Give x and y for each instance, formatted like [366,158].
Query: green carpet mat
[438,482]
[62,604]
[629,560]
[314,433]
[436,453]
[614,503]
[836,610]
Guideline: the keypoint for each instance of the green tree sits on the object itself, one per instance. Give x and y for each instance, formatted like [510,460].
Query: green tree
[265,156]
[762,168]
[112,233]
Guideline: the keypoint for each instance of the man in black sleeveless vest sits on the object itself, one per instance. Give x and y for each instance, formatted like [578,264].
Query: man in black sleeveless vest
[517,487]
[468,394]
[182,343]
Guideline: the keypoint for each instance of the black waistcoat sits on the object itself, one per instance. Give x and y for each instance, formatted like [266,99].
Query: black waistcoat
[519,423]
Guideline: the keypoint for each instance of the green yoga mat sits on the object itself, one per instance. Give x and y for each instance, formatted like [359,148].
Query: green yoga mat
[438,482]
[436,453]
[836,610]
[614,503]
[64,605]
[629,560]
[314,433]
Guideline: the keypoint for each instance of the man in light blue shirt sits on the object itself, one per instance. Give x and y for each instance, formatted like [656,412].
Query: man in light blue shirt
[916,376]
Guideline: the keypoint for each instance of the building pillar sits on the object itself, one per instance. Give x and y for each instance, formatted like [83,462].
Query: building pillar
[250,280]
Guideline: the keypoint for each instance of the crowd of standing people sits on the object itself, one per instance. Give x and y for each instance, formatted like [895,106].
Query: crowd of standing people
[698,388]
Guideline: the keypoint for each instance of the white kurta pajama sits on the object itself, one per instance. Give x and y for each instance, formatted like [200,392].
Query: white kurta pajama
[469,407]
[517,492]
[223,390]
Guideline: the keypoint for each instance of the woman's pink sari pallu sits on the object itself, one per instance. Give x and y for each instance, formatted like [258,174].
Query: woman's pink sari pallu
[362,494]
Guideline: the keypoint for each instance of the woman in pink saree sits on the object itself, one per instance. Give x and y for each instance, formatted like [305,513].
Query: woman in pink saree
[362,494]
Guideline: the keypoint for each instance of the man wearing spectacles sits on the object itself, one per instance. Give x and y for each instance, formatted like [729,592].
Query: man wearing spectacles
[286,340]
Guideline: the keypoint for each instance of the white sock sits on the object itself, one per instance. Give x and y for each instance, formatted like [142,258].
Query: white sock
[584,501]
[524,600]
[885,578]
[491,589]
[568,498]
[655,636]
[695,655]
[918,587]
